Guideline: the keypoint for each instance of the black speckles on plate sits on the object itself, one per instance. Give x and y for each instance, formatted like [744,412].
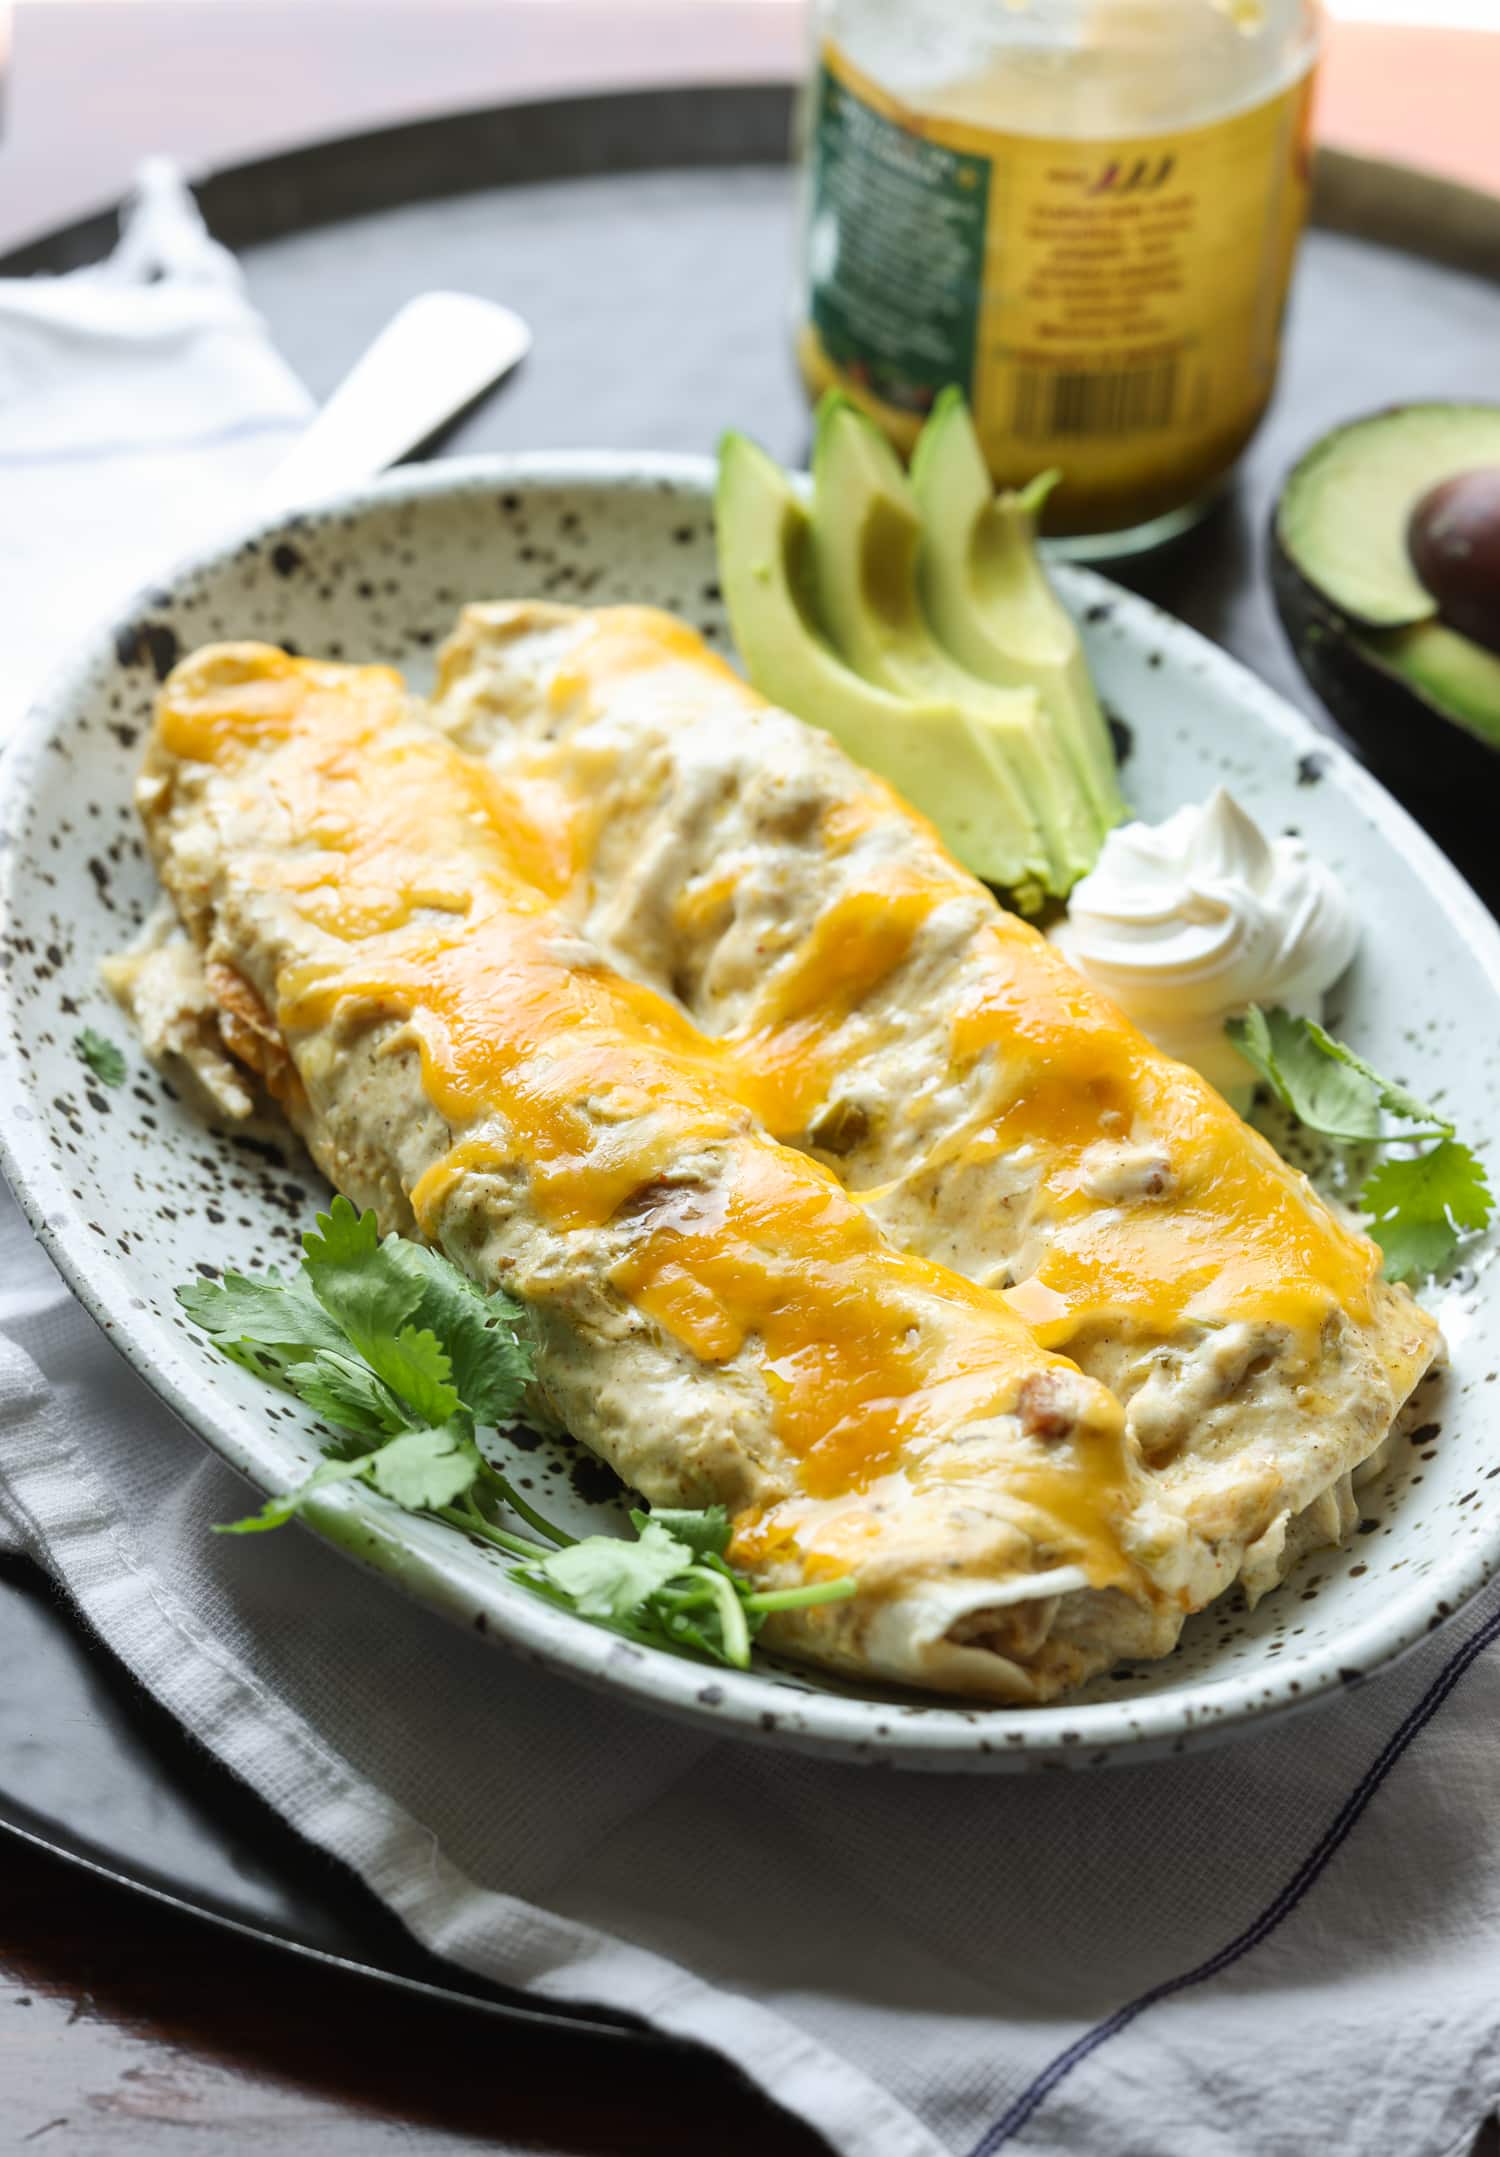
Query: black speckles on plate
[167,1199]
[148,644]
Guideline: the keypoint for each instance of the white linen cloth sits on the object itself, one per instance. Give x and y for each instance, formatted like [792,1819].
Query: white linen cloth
[1290,1946]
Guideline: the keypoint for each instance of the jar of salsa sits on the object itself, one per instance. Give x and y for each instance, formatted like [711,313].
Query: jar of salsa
[1083,212]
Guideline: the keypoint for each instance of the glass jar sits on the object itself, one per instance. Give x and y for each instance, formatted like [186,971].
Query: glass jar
[1084,212]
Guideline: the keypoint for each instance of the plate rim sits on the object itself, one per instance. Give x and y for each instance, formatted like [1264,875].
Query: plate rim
[940,1734]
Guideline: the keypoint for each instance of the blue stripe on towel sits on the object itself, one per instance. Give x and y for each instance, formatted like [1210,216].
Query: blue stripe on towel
[1261,1927]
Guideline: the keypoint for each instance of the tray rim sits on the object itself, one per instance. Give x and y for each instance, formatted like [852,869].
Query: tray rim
[830,1725]
[566,125]
[18,1821]
[1383,200]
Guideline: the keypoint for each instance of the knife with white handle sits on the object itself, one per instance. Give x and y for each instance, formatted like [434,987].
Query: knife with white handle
[430,360]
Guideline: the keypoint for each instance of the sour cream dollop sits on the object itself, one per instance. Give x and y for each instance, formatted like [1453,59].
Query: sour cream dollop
[1185,923]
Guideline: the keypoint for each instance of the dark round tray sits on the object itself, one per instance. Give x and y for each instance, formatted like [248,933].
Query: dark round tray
[648,238]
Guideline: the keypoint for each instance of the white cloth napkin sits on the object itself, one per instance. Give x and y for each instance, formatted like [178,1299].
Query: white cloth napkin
[1289,1946]
[138,402]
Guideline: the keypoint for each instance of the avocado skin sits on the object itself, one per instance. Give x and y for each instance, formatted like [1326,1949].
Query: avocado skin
[1409,740]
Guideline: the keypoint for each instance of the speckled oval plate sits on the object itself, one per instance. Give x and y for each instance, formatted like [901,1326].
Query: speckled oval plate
[380,576]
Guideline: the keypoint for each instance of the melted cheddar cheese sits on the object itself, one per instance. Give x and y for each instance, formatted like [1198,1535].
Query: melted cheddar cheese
[1240,1235]
[422,892]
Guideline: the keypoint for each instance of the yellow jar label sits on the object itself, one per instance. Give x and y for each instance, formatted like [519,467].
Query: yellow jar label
[1110,305]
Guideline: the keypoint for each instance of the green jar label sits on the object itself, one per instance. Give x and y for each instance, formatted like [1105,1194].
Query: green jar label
[1110,305]
[895,250]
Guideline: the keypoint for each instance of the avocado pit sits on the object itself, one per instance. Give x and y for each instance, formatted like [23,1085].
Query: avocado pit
[1453,537]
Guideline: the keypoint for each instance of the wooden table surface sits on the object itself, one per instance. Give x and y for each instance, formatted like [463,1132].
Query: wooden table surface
[126,2027]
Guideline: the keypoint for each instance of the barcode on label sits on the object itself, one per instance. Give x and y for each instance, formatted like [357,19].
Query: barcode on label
[1095,400]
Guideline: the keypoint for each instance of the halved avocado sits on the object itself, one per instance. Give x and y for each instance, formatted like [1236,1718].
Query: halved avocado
[1345,511]
[867,531]
[987,597]
[939,758]
[1381,561]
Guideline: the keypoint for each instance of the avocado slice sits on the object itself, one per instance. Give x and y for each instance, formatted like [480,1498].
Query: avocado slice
[1385,550]
[867,530]
[987,597]
[943,761]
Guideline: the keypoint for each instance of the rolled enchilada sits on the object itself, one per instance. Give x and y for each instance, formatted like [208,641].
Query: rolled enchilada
[392,934]
[988,1109]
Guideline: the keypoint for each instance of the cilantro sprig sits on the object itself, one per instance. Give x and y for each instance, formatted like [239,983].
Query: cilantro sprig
[100,1054]
[1421,1204]
[405,1360]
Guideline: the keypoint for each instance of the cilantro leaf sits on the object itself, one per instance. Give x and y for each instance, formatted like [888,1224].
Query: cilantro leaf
[264,1309]
[368,1332]
[1422,1203]
[1399,1100]
[1323,1091]
[367,1289]
[426,1469]
[276,1512]
[341,1236]
[349,1394]
[605,1577]
[703,1533]
[266,1325]
[102,1057]
[415,1365]
[272,1365]
[1327,1087]
[661,1592]
[420,1323]
[402,1356]
[419,1470]
[694,1612]
[369,1298]
[490,1360]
